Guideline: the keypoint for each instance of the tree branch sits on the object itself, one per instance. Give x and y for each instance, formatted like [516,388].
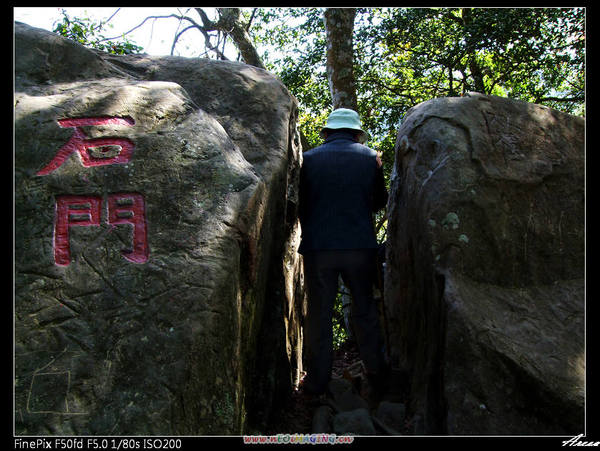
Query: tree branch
[101,24]
[251,19]
[230,23]
[142,23]
[208,24]
[177,36]
[560,99]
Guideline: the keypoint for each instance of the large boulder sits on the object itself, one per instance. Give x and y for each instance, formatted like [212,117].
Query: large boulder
[157,285]
[484,287]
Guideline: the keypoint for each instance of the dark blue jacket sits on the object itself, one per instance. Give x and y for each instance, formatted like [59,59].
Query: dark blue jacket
[340,189]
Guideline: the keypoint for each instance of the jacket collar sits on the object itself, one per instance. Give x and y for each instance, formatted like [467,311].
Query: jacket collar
[340,135]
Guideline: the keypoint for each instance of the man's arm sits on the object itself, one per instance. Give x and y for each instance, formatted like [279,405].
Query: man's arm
[302,195]
[380,196]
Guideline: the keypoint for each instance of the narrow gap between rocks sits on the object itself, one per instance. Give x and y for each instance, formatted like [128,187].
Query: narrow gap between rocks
[347,408]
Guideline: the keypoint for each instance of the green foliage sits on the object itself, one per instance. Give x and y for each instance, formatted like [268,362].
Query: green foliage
[88,33]
[292,41]
[405,56]
[340,334]
[532,54]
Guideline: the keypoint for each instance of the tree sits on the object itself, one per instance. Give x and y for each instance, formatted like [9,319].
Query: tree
[339,27]
[230,23]
[532,54]
[402,56]
[405,56]
[293,45]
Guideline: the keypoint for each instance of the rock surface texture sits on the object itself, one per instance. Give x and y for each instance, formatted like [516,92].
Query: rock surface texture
[156,276]
[484,287]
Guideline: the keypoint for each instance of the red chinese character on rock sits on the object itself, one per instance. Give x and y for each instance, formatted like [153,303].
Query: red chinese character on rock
[72,211]
[95,151]
[130,209]
[123,208]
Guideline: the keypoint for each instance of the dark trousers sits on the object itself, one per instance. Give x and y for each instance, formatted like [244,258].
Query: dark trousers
[321,271]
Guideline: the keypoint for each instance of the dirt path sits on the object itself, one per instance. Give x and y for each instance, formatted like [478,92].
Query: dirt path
[298,415]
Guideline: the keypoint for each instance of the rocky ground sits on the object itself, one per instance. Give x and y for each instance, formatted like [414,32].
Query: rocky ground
[347,407]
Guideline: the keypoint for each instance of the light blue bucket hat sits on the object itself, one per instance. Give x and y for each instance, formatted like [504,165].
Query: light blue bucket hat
[345,118]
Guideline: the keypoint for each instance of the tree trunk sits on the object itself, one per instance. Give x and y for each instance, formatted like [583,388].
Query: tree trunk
[339,25]
[230,23]
[476,73]
[477,76]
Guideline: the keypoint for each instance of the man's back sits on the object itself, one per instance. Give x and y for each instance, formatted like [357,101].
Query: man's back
[341,186]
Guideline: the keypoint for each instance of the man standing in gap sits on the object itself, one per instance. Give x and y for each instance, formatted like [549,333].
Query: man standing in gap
[341,186]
